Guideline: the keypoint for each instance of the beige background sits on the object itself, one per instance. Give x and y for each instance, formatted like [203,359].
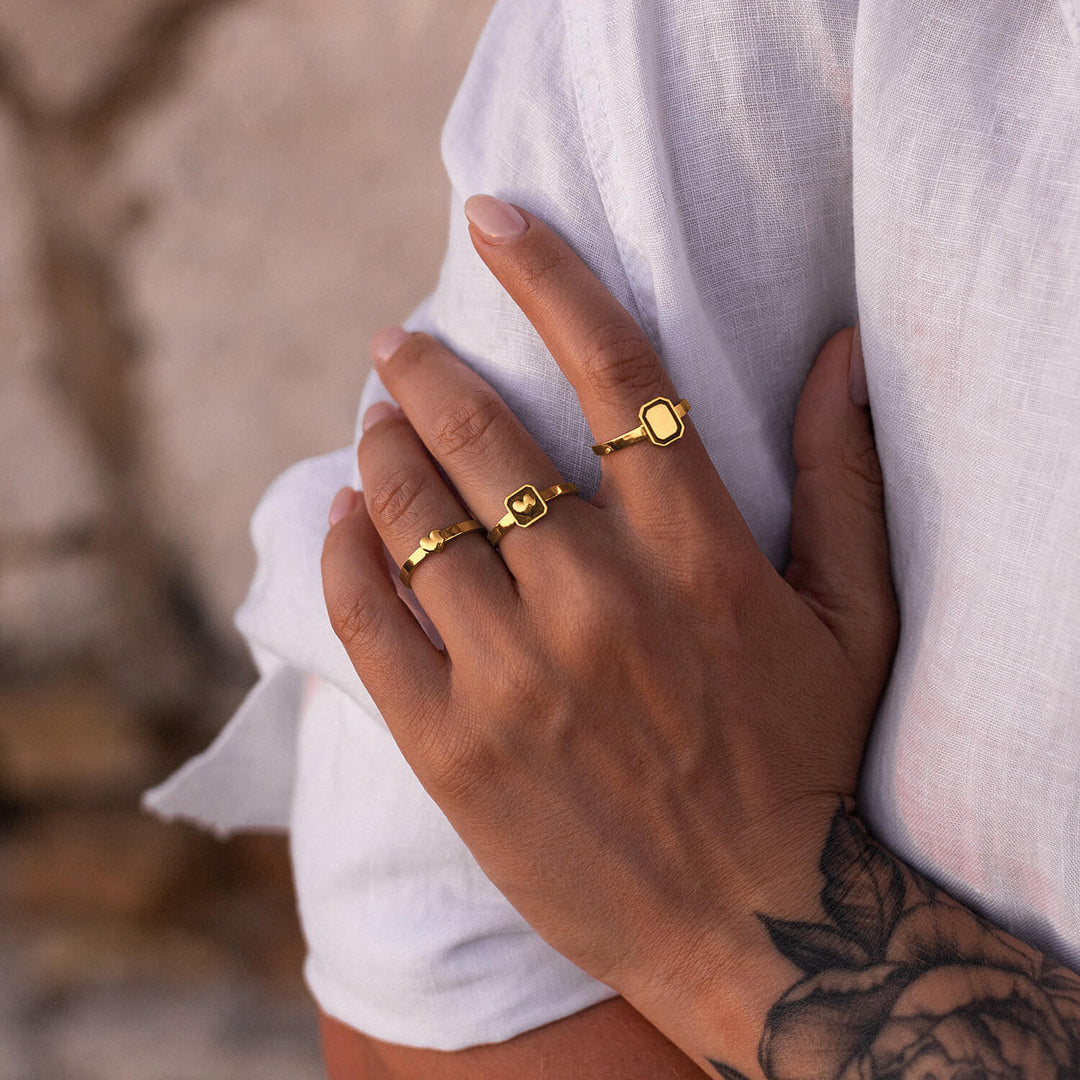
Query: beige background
[206,209]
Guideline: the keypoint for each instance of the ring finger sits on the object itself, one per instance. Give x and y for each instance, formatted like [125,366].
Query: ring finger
[407,499]
[471,432]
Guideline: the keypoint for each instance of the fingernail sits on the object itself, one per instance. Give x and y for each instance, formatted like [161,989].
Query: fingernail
[343,502]
[379,411]
[498,221]
[857,388]
[387,342]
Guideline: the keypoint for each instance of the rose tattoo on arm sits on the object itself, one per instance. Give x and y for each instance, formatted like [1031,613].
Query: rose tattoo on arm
[904,983]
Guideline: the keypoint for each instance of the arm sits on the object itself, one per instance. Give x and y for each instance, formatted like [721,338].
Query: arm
[672,810]
[892,978]
[609,1040]
[889,979]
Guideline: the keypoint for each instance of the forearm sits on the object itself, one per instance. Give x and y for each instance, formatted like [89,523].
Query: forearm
[879,975]
[609,1041]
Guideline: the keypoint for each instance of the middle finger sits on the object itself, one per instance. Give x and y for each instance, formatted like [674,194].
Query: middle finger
[612,366]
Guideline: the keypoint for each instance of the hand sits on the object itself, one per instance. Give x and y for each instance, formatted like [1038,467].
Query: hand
[637,726]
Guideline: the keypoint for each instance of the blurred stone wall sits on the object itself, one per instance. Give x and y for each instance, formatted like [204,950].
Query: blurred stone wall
[206,209]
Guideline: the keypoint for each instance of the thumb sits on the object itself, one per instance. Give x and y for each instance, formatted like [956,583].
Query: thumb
[839,545]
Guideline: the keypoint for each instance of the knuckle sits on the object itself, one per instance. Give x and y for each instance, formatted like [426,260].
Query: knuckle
[459,758]
[469,426]
[717,578]
[521,678]
[393,497]
[543,271]
[603,611]
[863,462]
[356,618]
[618,354]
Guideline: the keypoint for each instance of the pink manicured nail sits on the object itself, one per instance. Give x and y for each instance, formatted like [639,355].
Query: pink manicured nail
[343,502]
[857,388]
[387,342]
[498,221]
[379,411]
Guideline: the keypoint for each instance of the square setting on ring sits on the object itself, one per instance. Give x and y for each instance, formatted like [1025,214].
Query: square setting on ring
[526,506]
[662,423]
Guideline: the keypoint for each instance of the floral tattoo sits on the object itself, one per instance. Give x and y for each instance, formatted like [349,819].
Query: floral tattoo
[903,983]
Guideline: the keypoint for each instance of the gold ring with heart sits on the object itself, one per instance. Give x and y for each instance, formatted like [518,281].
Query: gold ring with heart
[435,541]
[526,507]
[661,423]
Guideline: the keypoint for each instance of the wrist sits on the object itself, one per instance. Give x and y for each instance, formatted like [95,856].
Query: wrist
[719,969]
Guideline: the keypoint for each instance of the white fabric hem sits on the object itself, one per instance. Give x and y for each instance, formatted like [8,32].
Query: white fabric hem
[443,1028]
[205,792]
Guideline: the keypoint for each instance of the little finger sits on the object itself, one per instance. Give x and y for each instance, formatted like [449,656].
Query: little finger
[379,632]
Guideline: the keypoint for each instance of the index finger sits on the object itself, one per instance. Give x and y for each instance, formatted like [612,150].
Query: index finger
[607,357]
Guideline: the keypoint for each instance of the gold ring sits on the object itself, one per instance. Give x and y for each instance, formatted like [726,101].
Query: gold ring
[435,541]
[661,423]
[526,507]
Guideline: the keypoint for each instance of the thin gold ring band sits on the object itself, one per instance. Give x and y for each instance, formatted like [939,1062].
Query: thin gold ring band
[526,507]
[661,423]
[434,542]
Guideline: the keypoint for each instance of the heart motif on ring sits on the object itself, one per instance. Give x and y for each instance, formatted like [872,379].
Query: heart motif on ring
[432,542]
[524,504]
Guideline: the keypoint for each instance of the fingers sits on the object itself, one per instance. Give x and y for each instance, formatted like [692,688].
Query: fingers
[601,349]
[404,673]
[407,499]
[839,541]
[471,432]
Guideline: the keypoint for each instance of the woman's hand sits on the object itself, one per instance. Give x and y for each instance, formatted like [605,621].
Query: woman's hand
[637,726]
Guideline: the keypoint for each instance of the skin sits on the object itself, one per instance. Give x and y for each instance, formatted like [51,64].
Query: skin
[641,730]
[610,1040]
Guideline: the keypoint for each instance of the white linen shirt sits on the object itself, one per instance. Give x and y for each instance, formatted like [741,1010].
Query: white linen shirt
[746,178]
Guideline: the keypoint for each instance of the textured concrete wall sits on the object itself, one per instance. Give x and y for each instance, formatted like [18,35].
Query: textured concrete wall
[206,209]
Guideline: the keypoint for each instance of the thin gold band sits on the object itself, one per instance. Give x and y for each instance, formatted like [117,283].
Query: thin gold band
[526,507]
[661,424]
[435,541]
